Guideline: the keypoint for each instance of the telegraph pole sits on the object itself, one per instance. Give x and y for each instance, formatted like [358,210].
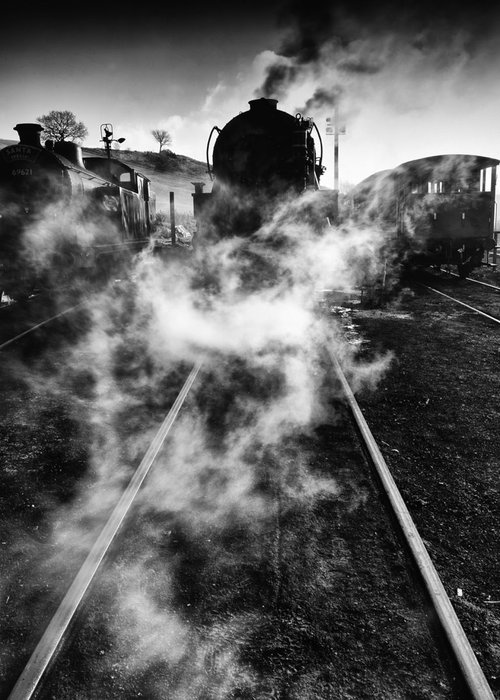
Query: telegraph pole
[333,129]
[336,158]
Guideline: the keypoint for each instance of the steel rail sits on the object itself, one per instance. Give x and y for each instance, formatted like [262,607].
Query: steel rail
[462,303]
[455,635]
[40,325]
[470,279]
[46,648]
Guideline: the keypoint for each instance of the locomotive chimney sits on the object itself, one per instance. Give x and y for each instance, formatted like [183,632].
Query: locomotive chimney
[29,134]
[262,103]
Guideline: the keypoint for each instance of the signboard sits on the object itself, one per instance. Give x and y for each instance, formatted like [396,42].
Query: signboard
[330,127]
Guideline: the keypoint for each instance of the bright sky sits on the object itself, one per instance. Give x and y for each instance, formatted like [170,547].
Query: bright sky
[408,80]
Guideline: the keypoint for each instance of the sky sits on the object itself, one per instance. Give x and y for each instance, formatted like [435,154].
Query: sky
[404,80]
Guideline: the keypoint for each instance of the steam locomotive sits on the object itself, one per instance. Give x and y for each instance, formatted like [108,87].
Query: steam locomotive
[260,155]
[62,214]
[438,210]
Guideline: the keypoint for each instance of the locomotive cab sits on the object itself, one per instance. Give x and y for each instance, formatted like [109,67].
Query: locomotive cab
[112,170]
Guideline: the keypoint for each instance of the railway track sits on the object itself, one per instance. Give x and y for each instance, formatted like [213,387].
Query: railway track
[19,321]
[449,273]
[463,653]
[291,583]
[478,297]
[435,414]
[12,336]
[47,648]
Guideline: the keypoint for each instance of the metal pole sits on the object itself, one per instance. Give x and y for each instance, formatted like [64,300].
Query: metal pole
[336,161]
[332,129]
[336,157]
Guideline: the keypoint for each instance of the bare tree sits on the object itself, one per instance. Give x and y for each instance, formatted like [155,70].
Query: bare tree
[61,125]
[162,136]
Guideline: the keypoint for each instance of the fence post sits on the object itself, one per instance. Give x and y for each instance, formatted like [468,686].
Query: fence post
[172,218]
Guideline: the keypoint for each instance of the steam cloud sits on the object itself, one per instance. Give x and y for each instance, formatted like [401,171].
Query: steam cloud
[263,381]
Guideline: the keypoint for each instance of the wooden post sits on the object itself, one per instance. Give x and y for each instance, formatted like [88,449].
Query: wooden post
[172,218]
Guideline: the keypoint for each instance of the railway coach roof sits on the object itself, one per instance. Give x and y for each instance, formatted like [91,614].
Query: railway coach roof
[464,159]
[371,183]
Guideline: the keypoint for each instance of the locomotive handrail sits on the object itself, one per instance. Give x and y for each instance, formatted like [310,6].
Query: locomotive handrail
[209,169]
[320,159]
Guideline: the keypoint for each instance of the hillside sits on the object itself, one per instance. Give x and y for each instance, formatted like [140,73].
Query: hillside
[168,171]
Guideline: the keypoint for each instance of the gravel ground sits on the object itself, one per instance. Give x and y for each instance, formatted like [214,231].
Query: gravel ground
[288,607]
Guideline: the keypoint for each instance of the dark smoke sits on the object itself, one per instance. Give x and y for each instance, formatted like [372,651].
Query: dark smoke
[323,98]
[355,39]
[360,65]
[308,28]
[279,77]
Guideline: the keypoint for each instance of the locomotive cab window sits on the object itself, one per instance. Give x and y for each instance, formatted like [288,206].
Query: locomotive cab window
[125,176]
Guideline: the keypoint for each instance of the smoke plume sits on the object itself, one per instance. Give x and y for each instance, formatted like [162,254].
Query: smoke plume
[343,50]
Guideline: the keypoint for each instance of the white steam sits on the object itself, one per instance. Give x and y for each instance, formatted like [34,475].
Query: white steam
[262,349]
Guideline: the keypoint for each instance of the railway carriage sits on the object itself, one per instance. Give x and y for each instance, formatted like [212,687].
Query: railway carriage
[439,210]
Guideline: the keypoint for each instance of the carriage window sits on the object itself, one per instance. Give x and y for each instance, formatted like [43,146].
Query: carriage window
[485,180]
[435,187]
[125,177]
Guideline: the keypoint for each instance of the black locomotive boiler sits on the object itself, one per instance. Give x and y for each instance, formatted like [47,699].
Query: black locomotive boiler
[62,214]
[438,210]
[260,155]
